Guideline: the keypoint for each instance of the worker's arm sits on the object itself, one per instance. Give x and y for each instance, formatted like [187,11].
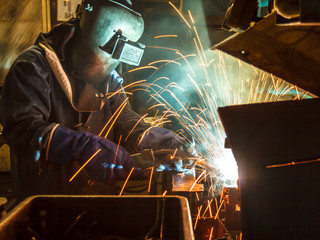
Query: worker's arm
[25,105]
[25,115]
[129,126]
[103,159]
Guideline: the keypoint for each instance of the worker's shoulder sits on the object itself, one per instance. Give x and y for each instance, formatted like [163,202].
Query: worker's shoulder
[31,57]
[32,54]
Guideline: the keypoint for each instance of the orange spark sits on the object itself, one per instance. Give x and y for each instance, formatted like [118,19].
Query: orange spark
[126,182]
[221,195]
[197,180]
[121,90]
[190,15]
[115,119]
[218,210]
[136,125]
[180,14]
[292,163]
[156,105]
[185,59]
[115,157]
[298,95]
[84,165]
[164,193]
[124,102]
[198,217]
[205,211]
[140,68]
[216,202]
[153,83]
[171,49]
[150,180]
[195,84]
[211,233]
[199,41]
[155,115]
[138,89]
[166,61]
[198,50]
[197,196]
[211,187]
[210,210]
[143,135]
[174,154]
[161,36]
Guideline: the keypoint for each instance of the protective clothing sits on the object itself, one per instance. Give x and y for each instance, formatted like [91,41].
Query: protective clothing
[165,144]
[33,101]
[168,139]
[52,119]
[110,162]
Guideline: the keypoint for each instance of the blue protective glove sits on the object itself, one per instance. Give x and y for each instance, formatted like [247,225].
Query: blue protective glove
[68,145]
[160,138]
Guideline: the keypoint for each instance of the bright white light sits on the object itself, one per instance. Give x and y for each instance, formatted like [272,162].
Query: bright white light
[228,167]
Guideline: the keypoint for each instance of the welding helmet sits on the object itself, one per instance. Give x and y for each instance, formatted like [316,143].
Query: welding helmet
[112,27]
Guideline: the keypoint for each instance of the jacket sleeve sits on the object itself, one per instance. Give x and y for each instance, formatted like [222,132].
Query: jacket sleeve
[129,124]
[25,105]
[104,160]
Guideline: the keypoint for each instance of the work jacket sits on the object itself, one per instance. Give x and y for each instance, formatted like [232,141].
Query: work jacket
[40,91]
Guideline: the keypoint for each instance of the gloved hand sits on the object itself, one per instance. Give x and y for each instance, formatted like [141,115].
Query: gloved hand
[171,151]
[110,164]
[169,159]
[172,159]
[160,138]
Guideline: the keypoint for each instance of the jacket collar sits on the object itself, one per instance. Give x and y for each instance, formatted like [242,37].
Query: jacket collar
[59,37]
[82,95]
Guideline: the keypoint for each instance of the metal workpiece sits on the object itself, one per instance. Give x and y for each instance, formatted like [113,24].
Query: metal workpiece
[186,182]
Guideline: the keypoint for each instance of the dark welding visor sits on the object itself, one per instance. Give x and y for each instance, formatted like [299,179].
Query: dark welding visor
[123,49]
[114,27]
[119,46]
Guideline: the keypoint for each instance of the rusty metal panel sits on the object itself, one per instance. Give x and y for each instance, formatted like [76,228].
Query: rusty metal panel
[289,52]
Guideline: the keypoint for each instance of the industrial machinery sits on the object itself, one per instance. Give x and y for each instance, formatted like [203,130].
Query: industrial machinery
[276,145]
[277,149]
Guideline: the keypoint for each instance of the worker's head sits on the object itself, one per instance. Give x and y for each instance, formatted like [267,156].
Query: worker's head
[105,23]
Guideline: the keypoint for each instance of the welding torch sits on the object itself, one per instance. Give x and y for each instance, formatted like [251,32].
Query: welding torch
[170,159]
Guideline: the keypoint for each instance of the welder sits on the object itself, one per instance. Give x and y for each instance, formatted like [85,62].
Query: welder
[63,104]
